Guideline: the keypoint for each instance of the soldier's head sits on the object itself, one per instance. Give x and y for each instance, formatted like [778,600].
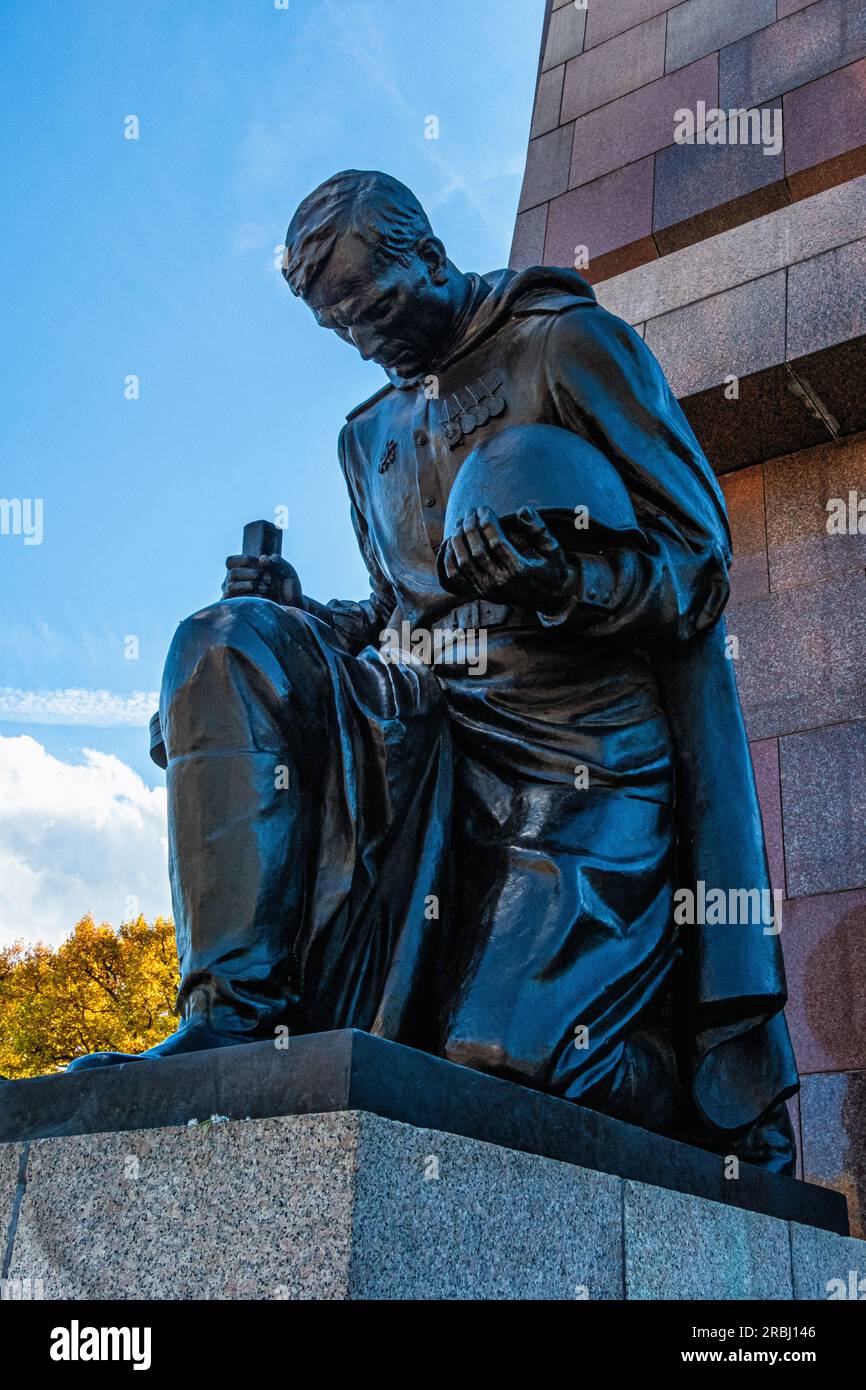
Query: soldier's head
[361,253]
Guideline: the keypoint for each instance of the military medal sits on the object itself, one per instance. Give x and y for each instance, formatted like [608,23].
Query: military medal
[484,407]
[389,456]
[490,402]
[480,411]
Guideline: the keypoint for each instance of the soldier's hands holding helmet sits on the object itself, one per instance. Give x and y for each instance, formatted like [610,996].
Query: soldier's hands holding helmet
[262,576]
[527,569]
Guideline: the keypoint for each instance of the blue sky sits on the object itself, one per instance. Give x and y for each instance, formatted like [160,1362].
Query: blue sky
[156,257]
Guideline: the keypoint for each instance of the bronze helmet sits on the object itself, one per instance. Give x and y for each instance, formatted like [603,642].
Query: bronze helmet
[554,471]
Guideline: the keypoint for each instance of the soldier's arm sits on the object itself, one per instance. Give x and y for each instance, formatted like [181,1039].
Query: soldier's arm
[607,384]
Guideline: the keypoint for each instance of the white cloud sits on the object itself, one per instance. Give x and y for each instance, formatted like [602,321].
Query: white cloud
[93,708]
[76,838]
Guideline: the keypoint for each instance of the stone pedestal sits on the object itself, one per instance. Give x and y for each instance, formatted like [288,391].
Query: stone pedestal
[368,1171]
[348,1205]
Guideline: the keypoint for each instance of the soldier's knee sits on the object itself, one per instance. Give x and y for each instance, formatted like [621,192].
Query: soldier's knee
[265,633]
[203,639]
[262,615]
[217,627]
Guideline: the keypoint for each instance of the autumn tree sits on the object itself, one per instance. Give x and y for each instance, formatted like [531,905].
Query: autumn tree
[100,990]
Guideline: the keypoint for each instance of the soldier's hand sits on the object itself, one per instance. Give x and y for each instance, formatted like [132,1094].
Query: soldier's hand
[530,570]
[262,576]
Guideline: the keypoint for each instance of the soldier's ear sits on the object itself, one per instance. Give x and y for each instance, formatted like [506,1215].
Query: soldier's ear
[432,253]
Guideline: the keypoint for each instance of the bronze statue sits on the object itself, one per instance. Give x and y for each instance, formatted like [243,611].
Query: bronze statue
[482,858]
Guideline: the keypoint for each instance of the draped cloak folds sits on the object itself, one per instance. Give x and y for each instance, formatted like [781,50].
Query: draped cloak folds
[592,373]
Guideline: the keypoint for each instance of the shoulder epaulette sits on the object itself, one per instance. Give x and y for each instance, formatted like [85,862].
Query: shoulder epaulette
[549,301]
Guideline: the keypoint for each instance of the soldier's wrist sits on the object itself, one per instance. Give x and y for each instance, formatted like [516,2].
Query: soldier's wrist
[560,597]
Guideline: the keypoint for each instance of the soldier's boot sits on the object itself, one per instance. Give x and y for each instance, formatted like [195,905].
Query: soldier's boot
[206,1023]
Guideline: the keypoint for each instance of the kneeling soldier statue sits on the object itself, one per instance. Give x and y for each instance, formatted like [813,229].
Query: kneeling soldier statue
[483,860]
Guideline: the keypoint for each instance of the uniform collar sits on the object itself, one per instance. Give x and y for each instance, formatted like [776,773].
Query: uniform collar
[480,288]
[500,294]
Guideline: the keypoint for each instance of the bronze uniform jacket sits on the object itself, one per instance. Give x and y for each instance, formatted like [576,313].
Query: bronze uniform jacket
[540,342]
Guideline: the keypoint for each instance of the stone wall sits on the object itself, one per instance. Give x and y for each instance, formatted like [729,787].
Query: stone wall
[798,606]
[746,274]
[602,166]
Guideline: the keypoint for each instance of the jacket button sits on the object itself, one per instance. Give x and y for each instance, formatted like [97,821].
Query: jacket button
[420,438]
[429,500]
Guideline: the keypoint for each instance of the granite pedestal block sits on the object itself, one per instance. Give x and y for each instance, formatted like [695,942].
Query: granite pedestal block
[343,1166]
[348,1205]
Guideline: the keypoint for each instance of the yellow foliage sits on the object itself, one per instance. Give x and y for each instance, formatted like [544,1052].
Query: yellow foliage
[101,990]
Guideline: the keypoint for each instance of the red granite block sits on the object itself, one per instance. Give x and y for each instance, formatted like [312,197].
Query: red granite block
[840,169]
[765,762]
[824,794]
[639,123]
[697,27]
[744,495]
[548,99]
[799,668]
[620,259]
[833,1125]
[824,940]
[806,45]
[735,333]
[564,35]
[835,376]
[611,212]
[768,420]
[547,165]
[701,190]
[826,303]
[799,489]
[825,130]
[608,17]
[527,247]
[622,64]
[732,212]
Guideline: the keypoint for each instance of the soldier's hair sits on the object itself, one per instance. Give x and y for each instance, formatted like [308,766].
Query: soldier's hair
[380,209]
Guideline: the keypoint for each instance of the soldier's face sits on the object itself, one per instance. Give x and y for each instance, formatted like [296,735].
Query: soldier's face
[394,314]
